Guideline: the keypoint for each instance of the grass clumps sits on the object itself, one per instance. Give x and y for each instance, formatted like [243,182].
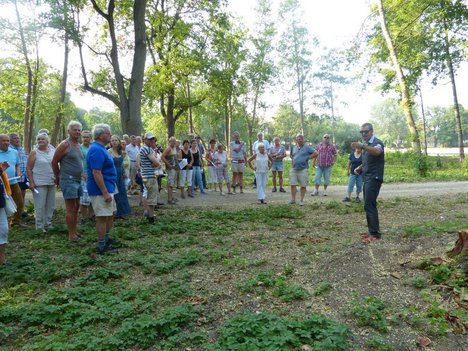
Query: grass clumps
[267,331]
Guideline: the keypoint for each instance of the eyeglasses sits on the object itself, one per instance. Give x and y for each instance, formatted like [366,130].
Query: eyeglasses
[364,131]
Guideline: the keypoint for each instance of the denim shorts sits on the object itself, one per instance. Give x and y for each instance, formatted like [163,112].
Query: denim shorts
[277,166]
[71,189]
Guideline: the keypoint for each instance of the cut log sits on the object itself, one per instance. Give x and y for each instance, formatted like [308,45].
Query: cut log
[461,245]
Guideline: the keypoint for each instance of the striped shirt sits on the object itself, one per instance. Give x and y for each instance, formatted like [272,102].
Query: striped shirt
[326,154]
[147,167]
[23,161]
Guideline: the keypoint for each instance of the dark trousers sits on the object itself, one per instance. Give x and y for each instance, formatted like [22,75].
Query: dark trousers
[371,192]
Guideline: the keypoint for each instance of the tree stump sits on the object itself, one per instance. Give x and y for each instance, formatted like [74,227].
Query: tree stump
[461,245]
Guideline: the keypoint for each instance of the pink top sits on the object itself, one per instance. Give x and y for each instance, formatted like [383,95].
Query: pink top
[326,154]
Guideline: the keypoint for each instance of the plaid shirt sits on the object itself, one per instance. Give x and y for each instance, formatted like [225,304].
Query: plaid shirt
[23,161]
[326,155]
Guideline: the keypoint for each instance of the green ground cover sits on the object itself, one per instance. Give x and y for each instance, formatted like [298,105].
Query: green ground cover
[252,278]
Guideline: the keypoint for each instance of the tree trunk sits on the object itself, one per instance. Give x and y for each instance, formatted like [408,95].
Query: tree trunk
[456,106]
[406,101]
[423,114]
[129,103]
[133,124]
[63,91]
[27,108]
[33,100]
[190,118]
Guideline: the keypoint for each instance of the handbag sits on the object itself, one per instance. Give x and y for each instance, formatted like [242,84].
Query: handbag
[10,205]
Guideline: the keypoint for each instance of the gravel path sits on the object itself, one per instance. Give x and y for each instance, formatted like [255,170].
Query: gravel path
[335,193]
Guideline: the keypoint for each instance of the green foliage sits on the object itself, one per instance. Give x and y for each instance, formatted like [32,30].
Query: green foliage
[377,343]
[267,331]
[422,165]
[323,288]
[370,311]
[288,293]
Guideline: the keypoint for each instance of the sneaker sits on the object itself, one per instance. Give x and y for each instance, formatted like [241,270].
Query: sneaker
[292,202]
[231,193]
[222,194]
[358,199]
[204,193]
[325,193]
[301,203]
[346,199]
[115,244]
[314,193]
[282,190]
[190,195]
[273,190]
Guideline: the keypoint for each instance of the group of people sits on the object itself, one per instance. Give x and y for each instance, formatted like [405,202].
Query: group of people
[96,177]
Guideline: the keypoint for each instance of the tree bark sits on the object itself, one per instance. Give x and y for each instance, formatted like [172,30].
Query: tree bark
[28,98]
[461,245]
[63,91]
[456,106]
[406,101]
[128,102]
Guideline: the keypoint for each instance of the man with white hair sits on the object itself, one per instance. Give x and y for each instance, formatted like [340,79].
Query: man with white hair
[68,166]
[101,184]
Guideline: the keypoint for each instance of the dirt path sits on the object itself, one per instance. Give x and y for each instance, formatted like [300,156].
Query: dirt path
[335,193]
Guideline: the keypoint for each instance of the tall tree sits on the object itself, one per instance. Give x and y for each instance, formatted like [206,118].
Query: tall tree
[447,48]
[110,82]
[177,42]
[395,30]
[260,68]
[295,50]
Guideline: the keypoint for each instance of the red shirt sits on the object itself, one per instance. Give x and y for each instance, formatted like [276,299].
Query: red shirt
[326,154]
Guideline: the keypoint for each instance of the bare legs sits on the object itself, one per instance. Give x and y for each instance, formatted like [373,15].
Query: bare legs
[72,206]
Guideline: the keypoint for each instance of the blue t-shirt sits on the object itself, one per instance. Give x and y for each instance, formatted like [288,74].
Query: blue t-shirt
[301,156]
[99,158]
[12,156]
[237,155]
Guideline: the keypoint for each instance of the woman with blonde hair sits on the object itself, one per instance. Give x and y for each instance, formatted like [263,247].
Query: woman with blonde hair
[42,181]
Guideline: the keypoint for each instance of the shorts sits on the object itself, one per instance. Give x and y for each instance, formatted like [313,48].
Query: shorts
[151,191]
[84,199]
[222,174]
[171,177]
[299,177]
[71,188]
[102,208]
[238,167]
[277,166]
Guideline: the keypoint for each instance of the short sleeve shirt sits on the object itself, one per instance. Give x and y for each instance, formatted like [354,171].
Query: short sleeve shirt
[99,158]
[237,155]
[12,157]
[326,154]
[301,156]
[147,167]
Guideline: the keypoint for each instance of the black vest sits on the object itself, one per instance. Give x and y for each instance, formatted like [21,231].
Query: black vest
[373,166]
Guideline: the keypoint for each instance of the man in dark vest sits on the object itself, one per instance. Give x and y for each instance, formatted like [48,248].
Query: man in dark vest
[372,168]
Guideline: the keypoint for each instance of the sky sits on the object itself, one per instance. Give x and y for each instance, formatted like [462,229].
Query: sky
[336,23]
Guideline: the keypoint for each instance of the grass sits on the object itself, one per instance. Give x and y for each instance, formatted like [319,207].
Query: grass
[399,167]
[254,278]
